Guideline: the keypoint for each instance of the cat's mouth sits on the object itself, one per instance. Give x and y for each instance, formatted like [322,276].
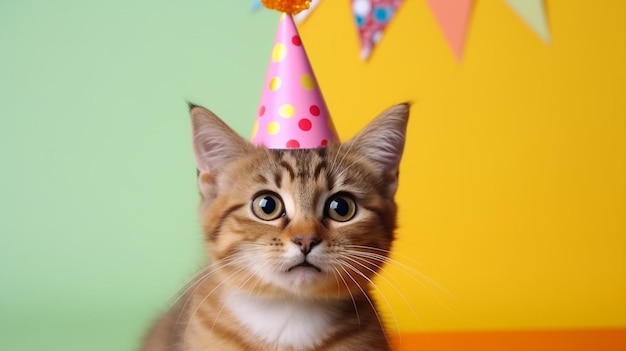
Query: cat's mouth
[305,264]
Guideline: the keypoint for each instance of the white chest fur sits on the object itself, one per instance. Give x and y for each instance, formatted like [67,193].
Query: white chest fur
[299,324]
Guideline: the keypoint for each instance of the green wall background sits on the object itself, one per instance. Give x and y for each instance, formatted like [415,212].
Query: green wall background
[98,224]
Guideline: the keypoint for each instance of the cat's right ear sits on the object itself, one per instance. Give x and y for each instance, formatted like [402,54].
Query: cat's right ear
[382,143]
[215,144]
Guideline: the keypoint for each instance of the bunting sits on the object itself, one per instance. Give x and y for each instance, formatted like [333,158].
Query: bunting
[534,14]
[453,17]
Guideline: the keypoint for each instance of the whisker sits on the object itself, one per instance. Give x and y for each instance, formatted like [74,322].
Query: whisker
[409,270]
[253,287]
[337,280]
[213,268]
[395,318]
[402,296]
[356,309]
[413,275]
[207,296]
[368,257]
[238,288]
[199,277]
[386,251]
[341,264]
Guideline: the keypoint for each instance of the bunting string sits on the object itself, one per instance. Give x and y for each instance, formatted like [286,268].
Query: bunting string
[371,18]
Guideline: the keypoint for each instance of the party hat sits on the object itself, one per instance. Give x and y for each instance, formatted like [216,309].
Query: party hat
[292,112]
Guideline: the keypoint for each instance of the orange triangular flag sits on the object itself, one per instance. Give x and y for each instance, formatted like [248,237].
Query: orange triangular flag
[453,17]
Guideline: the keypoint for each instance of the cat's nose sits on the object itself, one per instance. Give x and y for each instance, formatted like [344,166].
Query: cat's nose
[306,243]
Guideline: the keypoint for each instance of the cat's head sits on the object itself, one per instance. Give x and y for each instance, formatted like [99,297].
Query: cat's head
[306,222]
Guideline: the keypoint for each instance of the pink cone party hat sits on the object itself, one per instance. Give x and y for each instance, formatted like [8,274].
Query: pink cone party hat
[292,113]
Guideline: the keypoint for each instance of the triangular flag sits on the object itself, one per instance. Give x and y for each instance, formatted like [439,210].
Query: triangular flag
[372,17]
[453,17]
[534,14]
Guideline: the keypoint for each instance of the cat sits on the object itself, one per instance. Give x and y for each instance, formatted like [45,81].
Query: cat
[295,237]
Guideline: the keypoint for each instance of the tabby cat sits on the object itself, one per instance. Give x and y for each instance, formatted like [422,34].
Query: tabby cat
[294,236]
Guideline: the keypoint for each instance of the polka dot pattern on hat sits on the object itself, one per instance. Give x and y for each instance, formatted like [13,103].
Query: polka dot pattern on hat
[292,113]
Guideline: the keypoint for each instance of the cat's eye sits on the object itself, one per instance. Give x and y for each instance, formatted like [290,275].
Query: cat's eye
[341,207]
[268,206]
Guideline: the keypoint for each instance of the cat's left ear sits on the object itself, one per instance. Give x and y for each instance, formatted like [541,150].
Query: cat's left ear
[215,144]
[382,142]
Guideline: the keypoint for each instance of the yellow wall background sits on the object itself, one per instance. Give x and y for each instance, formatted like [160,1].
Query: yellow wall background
[513,184]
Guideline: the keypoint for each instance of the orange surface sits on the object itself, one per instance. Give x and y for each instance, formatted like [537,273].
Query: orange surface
[570,340]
